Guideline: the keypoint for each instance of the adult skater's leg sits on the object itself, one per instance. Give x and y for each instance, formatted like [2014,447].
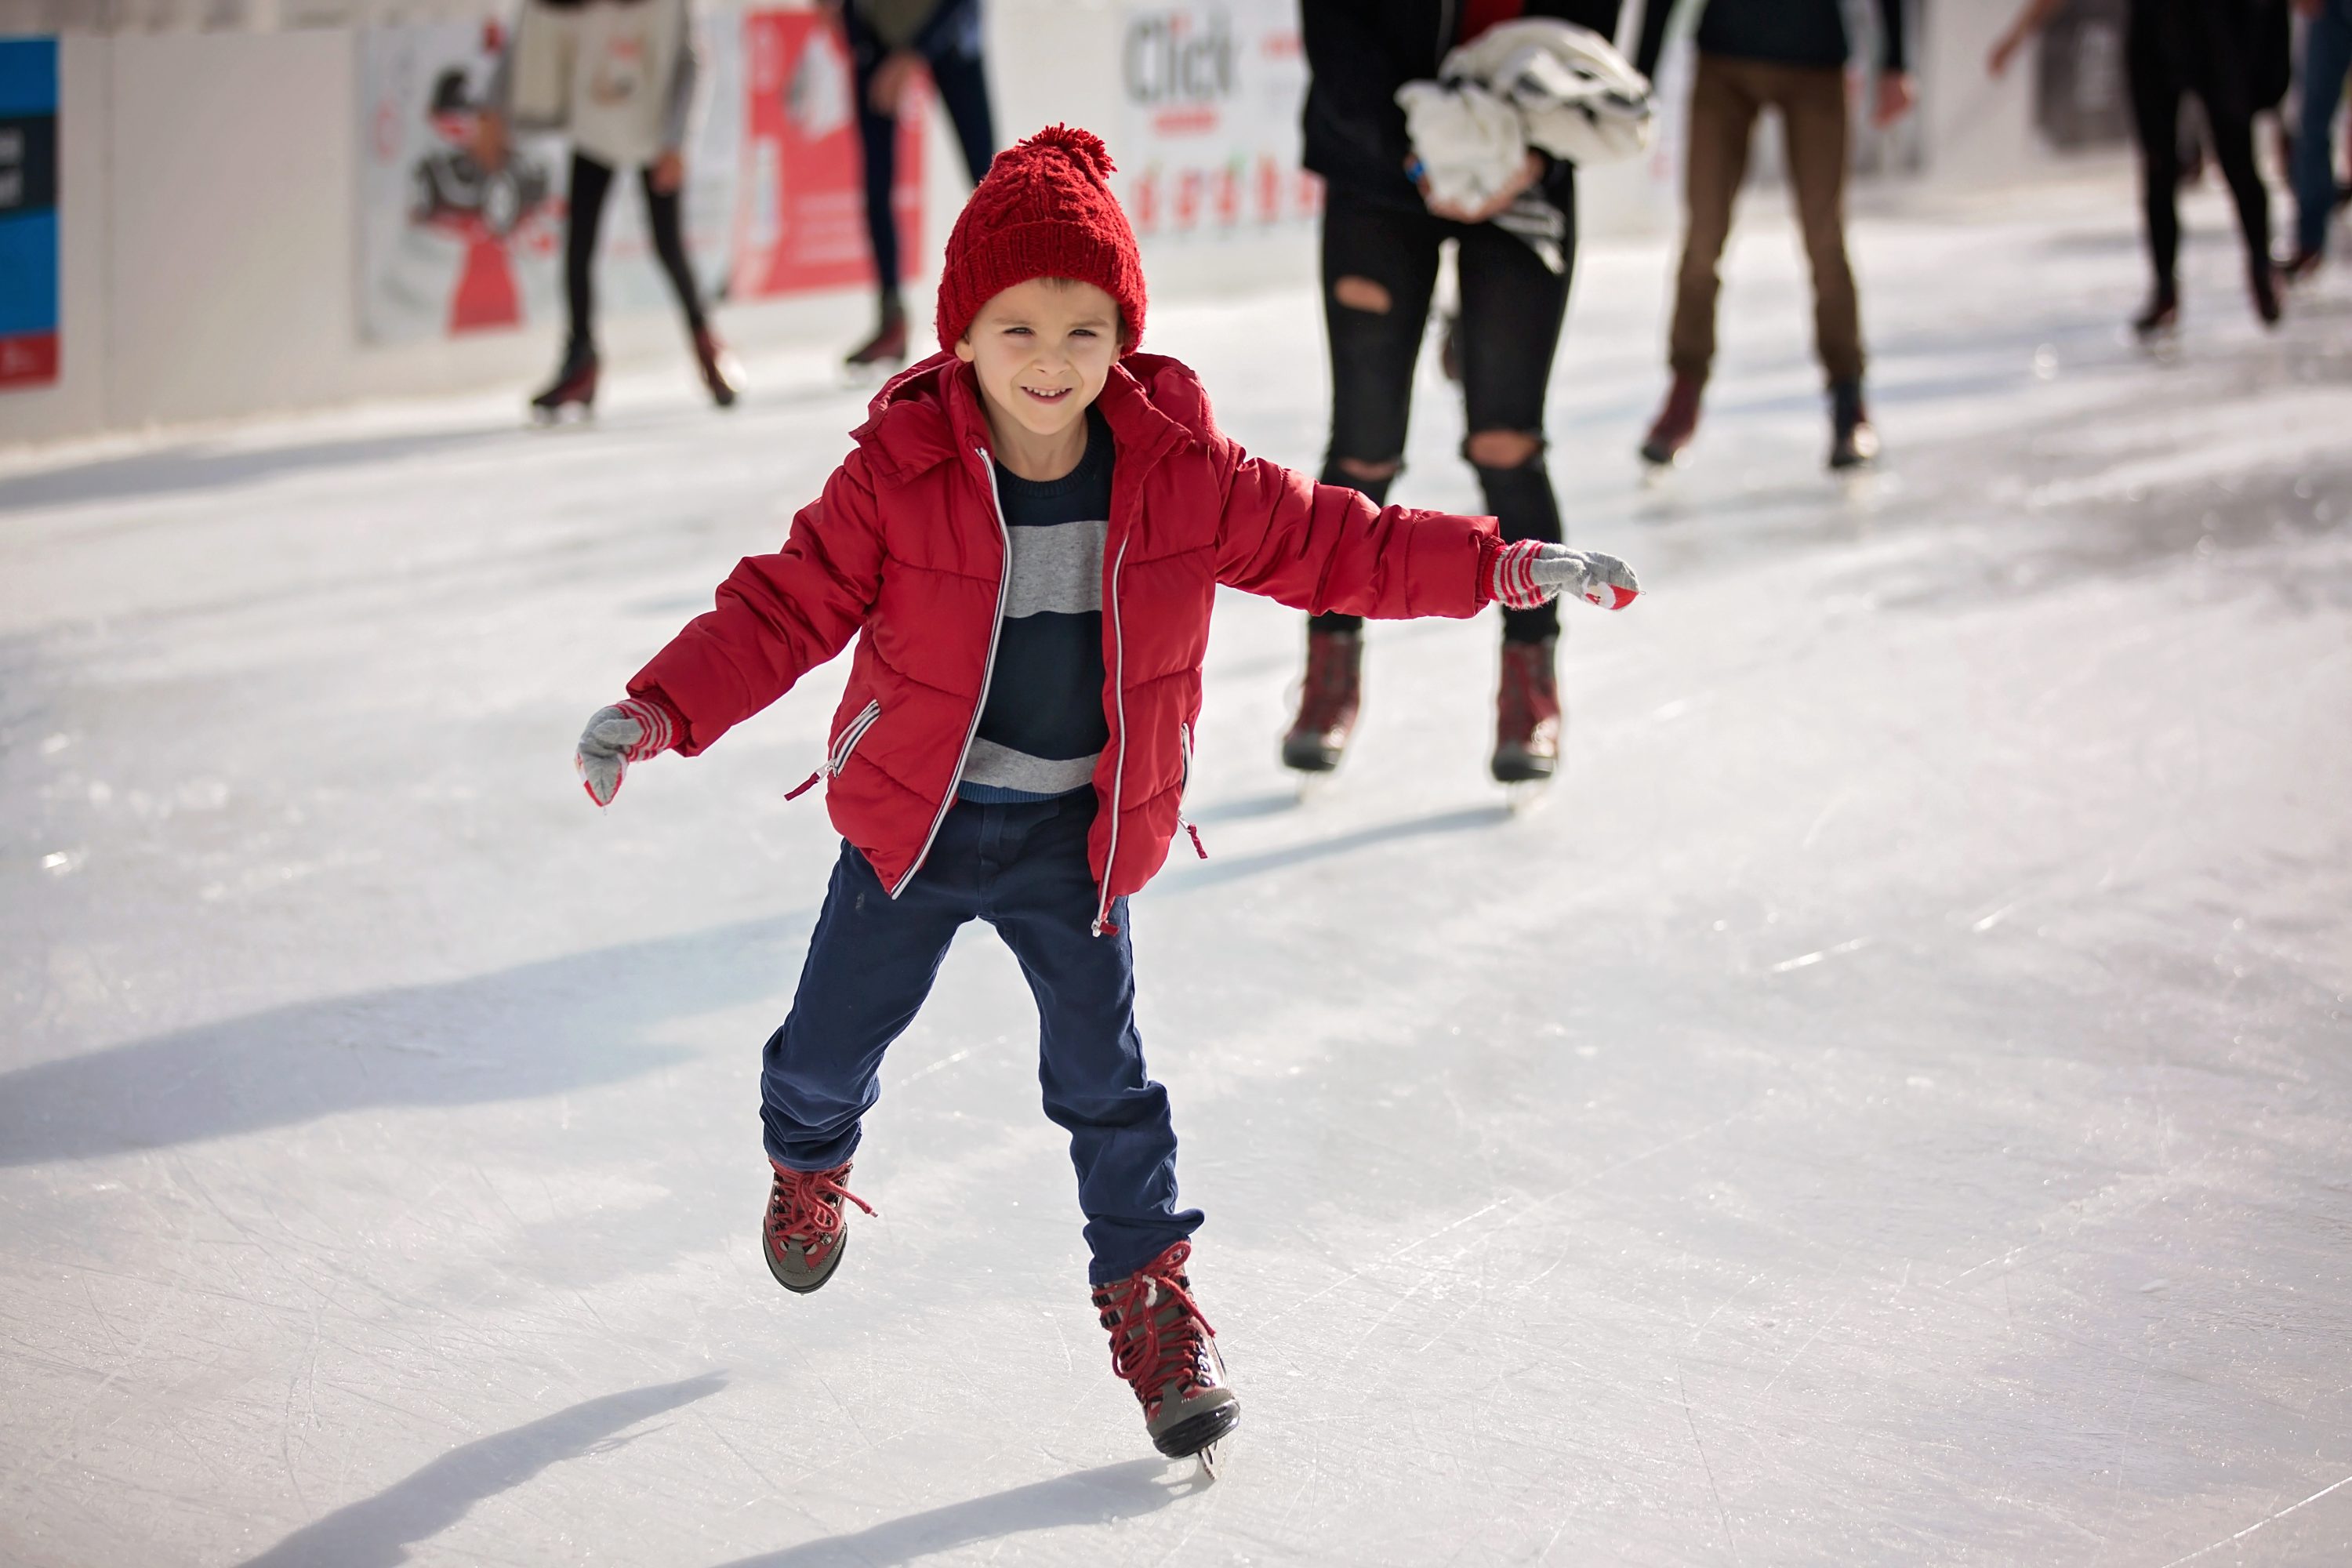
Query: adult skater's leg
[665,217]
[871,961]
[1722,110]
[1090,1065]
[1512,309]
[877,140]
[584,219]
[2327,56]
[575,378]
[2219,67]
[1380,268]
[961,74]
[1041,898]
[1815,119]
[2155,90]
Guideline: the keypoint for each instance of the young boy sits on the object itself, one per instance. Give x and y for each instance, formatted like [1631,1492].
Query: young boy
[1030,533]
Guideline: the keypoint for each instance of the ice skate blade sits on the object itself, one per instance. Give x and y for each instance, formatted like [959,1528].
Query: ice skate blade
[1191,1438]
[872,373]
[1209,1459]
[1522,798]
[1659,476]
[1313,787]
[563,416]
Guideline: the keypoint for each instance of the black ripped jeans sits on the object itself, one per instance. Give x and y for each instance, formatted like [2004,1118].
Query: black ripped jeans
[592,182]
[1512,308]
[2175,46]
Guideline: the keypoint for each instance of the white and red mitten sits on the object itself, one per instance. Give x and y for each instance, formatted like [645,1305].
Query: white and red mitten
[1531,573]
[628,732]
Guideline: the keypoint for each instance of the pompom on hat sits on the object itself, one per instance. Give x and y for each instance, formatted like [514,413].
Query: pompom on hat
[1045,210]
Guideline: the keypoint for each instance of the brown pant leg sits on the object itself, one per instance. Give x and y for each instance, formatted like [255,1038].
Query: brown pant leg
[1722,118]
[1812,105]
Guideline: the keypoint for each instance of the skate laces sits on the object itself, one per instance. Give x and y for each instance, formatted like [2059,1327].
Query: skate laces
[1147,1353]
[806,1204]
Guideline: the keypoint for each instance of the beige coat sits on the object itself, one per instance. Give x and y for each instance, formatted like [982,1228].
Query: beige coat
[616,75]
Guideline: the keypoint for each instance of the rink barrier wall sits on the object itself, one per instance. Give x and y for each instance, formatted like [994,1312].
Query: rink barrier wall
[208,240]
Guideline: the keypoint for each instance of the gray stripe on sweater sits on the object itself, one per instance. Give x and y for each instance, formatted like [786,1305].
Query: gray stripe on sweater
[989,764]
[1055,569]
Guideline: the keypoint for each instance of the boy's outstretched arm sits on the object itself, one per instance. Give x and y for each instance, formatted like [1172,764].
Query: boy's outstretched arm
[777,618]
[1322,548]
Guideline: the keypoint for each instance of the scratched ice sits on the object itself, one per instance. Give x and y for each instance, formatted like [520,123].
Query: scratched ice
[1891,1105]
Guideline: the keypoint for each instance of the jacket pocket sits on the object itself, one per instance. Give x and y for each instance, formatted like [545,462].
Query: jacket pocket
[855,731]
[843,746]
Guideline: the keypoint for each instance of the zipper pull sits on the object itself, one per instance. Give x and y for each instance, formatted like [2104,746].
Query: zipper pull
[1195,834]
[806,786]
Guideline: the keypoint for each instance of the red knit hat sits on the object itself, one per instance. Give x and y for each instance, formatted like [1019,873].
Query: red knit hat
[1044,211]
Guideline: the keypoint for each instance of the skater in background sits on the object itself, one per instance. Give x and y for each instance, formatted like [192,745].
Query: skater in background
[2326,56]
[617,77]
[1788,55]
[1029,533]
[1383,227]
[2173,48]
[889,42]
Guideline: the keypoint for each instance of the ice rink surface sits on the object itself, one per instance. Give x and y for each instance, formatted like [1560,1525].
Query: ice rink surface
[1891,1104]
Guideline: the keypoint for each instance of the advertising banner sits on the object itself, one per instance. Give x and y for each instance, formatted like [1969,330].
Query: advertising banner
[1208,139]
[801,210]
[28,212]
[448,247]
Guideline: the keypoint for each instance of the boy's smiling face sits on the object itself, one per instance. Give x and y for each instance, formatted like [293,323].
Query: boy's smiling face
[1043,350]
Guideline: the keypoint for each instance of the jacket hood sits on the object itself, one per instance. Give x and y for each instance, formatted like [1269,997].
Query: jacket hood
[931,412]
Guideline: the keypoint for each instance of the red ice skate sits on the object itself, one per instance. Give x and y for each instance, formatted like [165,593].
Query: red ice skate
[1165,1350]
[1676,423]
[720,374]
[886,349]
[805,1233]
[574,386]
[1328,701]
[1527,713]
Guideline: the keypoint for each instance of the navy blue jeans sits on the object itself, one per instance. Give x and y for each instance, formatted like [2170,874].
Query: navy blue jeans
[871,961]
[950,46]
[2326,56]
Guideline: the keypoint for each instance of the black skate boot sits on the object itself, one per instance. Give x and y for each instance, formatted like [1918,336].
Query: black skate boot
[805,1233]
[2263,284]
[1676,423]
[720,374]
[886,349]
[2161,318]
[1854,442]
[1527,713]
[1165,1350]
[574,386]
[1328,701]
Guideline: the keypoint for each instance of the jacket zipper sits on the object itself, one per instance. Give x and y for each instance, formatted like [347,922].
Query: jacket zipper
[1183,788]
[838,758]
[1119,772]
[987,676]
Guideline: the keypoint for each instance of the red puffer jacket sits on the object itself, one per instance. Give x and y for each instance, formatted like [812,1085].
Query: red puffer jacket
[908,546]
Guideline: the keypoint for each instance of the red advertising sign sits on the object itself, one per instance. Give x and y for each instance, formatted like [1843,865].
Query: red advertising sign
[800,224]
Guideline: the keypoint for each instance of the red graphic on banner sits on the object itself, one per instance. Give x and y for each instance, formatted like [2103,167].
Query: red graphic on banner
[802,222]
[28,360]
[485,296]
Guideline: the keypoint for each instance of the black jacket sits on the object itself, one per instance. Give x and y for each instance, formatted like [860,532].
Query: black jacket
[1362,51]
[1783,32]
